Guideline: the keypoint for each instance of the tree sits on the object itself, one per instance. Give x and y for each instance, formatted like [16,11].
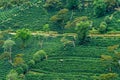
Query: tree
[60,18]
[66,42]
[72,4]
[110,4]
[24,35]
[112,63]
[46,28]
[39,56]
[99,8]
[52,4]
[12,75]
[18,60]
[103,27]
[8,44]
[80,25]
[82,29]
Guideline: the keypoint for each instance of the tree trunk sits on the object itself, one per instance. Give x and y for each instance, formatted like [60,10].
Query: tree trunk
[83,3]
[73,42]
[10,52]
[41,44]
[71,15]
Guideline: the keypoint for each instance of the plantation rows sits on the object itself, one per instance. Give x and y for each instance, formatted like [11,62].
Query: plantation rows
[27,18]
[4,15]
[78,63]
[4,69]
[68,64]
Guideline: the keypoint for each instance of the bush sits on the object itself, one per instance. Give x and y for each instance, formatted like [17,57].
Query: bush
[111,4]
[19,70]
[39,56]
[18,60]
[52,4]
[31,63]
[12,75]
[25,68]
[107,19]
[24,35]
[103,27]
[72,4]
[82,29]
[99,8]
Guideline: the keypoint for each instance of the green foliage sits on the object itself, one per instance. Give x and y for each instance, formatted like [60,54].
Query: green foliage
[8,44]
[12,75]
[67,43]
[107,19]
[53,4]
[60,18]
[106,58]
[46,28]
[82,29]
[112,48]
[24,35]
[103,27]
[110,4]
[5,55]
[108,76]
[99,8]
[112,62]
[39,56]
[25,68]
[102,7]
[19,70]
[18,60]
[72,4]
[75,21]
[11,3]
[31,63]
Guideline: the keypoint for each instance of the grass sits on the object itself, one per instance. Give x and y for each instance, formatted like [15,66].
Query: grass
[78,63]
[81,62]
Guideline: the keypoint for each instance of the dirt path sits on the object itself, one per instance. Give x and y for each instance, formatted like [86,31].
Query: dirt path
[73,34]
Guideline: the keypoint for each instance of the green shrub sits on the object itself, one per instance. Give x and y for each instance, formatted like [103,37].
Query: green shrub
[103,27]
[107,19]
[52,4]
[99,8]
[39,56]
[31,63]
[82,29]
[12,75]
[108,76]
[24,35]
[19,70]
[25,68]
[72,4]
[18,60]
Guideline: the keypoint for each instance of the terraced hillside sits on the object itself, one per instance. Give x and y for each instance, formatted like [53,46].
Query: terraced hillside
[80,63]
[63,62]
[32,17]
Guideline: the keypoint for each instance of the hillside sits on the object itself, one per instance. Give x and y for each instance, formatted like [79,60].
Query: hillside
[59,40]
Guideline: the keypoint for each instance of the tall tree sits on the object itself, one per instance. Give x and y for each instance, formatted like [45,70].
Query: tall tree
[24,35]
[8,47]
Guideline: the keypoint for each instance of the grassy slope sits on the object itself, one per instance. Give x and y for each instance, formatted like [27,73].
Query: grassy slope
[79,63]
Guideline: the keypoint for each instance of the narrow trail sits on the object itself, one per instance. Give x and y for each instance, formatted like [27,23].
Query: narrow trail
[72,34]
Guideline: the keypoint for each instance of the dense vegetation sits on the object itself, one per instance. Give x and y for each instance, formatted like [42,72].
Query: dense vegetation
[59,40]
